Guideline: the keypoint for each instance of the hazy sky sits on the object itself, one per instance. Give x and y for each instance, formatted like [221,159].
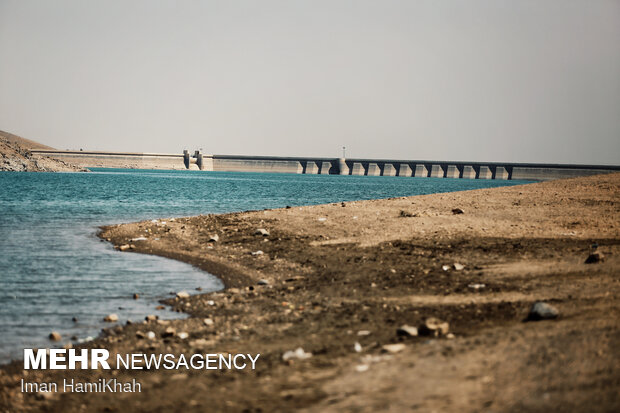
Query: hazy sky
[513,80]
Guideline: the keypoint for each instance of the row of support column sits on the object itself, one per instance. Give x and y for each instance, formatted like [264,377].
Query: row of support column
[423,170]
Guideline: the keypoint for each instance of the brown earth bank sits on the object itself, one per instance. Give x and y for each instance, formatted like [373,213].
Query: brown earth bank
[331,276]
[15,156]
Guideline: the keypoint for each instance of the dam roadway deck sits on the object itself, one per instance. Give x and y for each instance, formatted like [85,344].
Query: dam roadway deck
[325,166]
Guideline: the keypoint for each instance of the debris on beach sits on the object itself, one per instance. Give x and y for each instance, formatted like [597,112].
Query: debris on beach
[457,211]
[476,286]
[255,253]
[434,327]
[111,318]
[457,266]
[357,347]
[182,294]
[595,257]
[542,311]
[445,267]
[407,331]
[297,354]
[138,239]
[140,335]
[150,335]
[263,282]
[214,238]
[208,321]
[169,332]
[182,335]
[124,247]
[393,348]
[55,336]
[322,219]
[136,296]
[363,333]
[151,317]
[261,231]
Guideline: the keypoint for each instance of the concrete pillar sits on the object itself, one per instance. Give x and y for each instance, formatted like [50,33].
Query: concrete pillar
[453,172]
[374,170]
[436,171]
[300,168]
[186,158]
[198,157]
[485,173]
[342,167]
[404,170]
[501,173]
[469,172]
[389,170]
[312,168]
[358,169]
[325,167]
[420,171]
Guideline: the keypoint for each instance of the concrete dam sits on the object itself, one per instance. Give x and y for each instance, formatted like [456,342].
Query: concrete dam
[327,166]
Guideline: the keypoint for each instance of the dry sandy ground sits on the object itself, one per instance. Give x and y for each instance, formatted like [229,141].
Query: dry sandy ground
[15,156]
[372,266]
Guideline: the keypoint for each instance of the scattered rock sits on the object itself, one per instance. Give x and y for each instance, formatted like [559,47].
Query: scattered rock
[407,331]
[124,247]
[476,286]
[136,296]
[55,336]
[457,266]
[169,332]
[393,348]
[151,317]
[233,291]
[360,368]
[140,335]
[298,354]
[363,333]
[434,327]
[214,238]
[150,335]
[183,294]
[261,231]
[595,257]
[255,253]
[183,335]
[450,336]
[138,239]
[160,307]
[322,219]
[357,347]
[208,321]
[542,311]
[457,211]
[445,267]
[200,343]
[111,318]
[74,319]
[263,282]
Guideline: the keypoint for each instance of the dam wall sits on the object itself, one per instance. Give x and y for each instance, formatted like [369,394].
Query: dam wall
[329,166]
[117,159]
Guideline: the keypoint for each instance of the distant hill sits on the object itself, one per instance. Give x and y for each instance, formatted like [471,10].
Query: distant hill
[25,143]
[15,156]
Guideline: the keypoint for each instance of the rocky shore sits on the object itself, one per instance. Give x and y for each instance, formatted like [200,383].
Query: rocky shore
[503,299]
[15,156]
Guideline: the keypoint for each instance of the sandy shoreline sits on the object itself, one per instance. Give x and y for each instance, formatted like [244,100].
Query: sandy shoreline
[335,270]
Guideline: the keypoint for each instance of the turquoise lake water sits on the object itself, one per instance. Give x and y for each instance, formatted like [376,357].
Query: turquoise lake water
[54,268]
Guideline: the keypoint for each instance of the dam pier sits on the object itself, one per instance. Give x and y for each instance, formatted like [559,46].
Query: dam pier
[327,166]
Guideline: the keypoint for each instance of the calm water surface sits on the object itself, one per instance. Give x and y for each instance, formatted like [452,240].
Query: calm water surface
[54,268]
